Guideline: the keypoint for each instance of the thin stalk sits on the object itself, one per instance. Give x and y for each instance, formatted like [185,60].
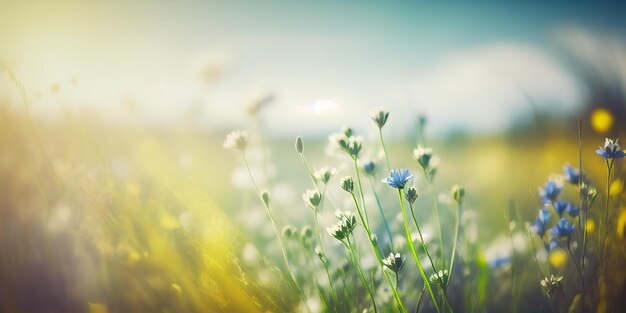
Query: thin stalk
[609,166]
[358,178]
[380,209]
[378,256]
[457,225]
[419,231]
[532,248]
[580,272]
[419,299]
[436,203]
[308,170]
[355,261]
[319,238]
[280,241]
[417,260]
[380,134]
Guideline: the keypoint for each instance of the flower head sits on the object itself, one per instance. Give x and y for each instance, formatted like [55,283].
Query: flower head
[550,190]
[370,168]
[350,145]
[379,117]
[411,195]
[440,278]
[345,226]
[572,209]
[458,193]
[306,235]
[423,156]
[312,198]
[289,231]
[551,285]
[563,229]
[572,175]
[236,140]
[398,178]
[347,184]
[541,222]
[560,207]
[611,150]
[324,174]
[394,262]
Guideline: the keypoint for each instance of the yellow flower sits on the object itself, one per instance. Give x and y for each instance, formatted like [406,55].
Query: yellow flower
[557,258]
[616,187]
[621,222]
[591,226]
[601,120]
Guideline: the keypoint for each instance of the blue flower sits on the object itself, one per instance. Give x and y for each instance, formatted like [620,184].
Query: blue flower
[572,209]
[539,225]
[563,229]
[611,150]
[560,207]
[572,175]
[552,244]
[550,191]
[398,178]
[370,168]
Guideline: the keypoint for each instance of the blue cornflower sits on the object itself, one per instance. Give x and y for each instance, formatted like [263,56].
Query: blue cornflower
[563,229]
[573,210]
[539,225]
[550,190]
[611,150]
[560,207]
[398,178]
[572,175]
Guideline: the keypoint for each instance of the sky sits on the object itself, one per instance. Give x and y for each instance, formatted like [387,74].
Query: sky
[465,66]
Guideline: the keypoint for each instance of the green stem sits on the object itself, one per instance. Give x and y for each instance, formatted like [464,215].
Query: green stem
[378,256]
[605,226]
[380,209]
[456,238]
[358,178]
[355,261]
[280,241]
[417,260]
[436,203]
[380,134]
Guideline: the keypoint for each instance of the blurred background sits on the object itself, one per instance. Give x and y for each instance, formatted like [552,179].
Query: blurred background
[117,195]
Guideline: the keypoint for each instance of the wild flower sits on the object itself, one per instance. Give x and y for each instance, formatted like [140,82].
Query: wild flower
[347,184]
[440,277]
[560,206]
[611,149]
[345,226]
[370,168]
[306,235]
[458,193]
[379,117]
[572,175]
[411,195]
[324,174]
[312,198]
[266,197]
[551,190]
[573,210]
[423,156]
[351,145]
[563,229]
[289,231]
[398,178]
[236,140]
[540,224]
[394,262]
[551,285]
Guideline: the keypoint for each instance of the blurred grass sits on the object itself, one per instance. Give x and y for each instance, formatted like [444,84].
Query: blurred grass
[108,217]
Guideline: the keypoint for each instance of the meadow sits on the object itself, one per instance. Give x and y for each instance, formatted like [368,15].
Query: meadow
[99,216]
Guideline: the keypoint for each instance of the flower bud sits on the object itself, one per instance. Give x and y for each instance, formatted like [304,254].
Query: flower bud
[347,184]
[411,195]
[458,193]
[299,145]
[266,197]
